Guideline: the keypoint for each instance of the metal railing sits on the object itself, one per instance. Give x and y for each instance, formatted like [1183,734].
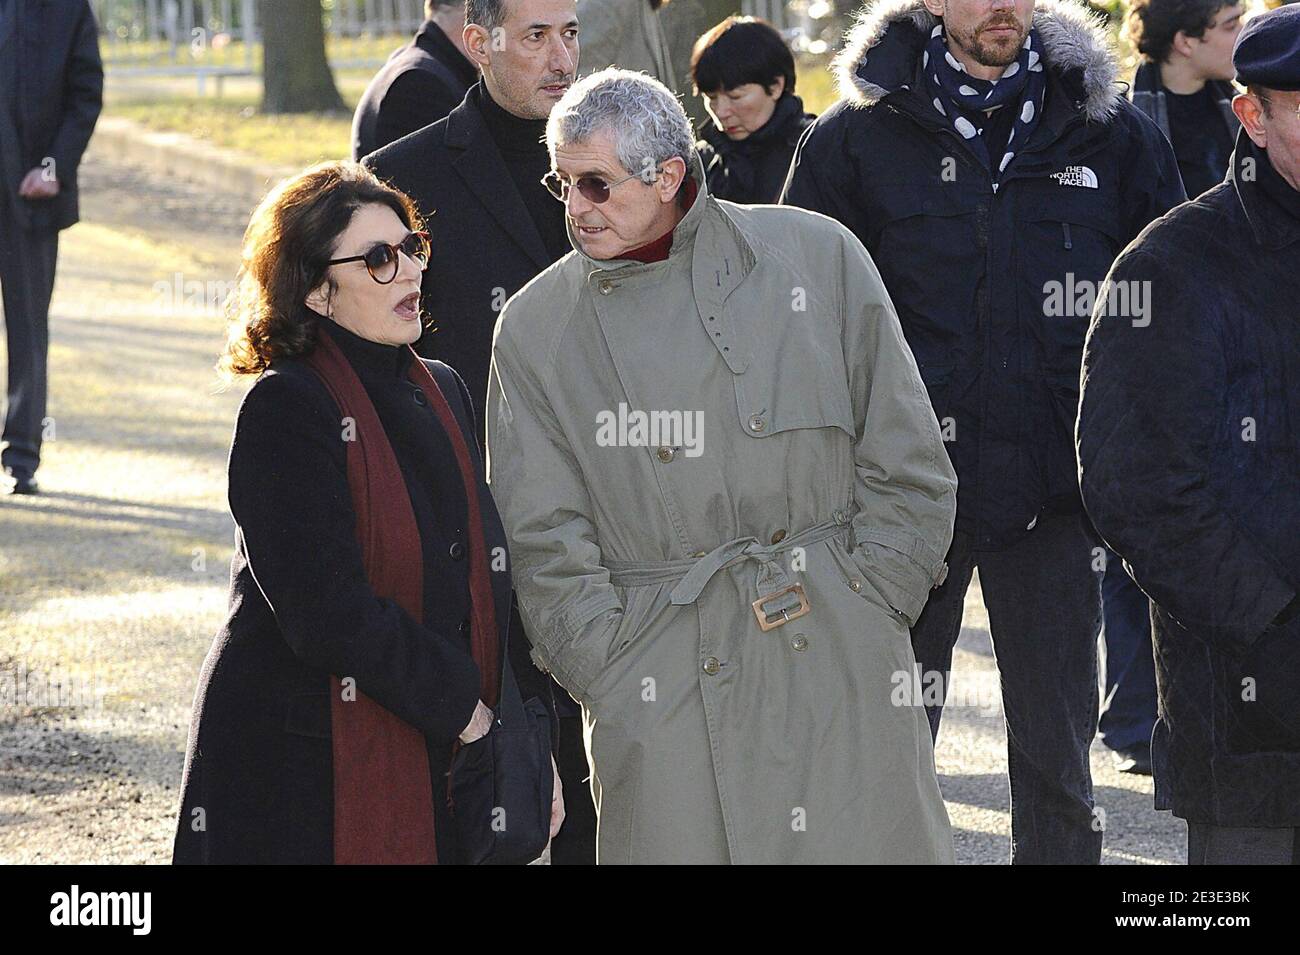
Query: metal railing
[218,38]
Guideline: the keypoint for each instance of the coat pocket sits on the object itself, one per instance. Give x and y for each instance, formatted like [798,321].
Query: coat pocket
[642,608]
[1067,244]
[308,714]
[868,584]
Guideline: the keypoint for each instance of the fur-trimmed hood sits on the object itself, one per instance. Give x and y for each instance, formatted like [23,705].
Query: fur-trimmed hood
[1074,41]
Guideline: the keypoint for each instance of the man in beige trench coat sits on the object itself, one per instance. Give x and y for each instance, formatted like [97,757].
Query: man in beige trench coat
[727,500]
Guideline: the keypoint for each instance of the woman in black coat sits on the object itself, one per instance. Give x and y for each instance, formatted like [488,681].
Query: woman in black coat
[329,705]
[745,73]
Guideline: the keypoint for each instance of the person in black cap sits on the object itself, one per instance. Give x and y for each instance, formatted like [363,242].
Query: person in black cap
[1189,454]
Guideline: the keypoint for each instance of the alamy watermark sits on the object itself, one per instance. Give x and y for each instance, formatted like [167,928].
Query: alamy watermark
[1076,298]
[630,428]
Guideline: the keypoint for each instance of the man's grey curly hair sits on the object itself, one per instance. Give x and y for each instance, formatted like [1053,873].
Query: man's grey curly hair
[647,123]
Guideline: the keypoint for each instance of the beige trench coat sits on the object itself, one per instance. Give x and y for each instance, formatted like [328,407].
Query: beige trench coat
[623,33]
[816,461]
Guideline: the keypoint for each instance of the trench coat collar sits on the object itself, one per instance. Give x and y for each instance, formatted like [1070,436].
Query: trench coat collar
[478,161]
[719,256]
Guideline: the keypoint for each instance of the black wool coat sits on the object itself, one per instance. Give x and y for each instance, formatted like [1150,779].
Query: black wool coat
[420,84]
[258,779]
[1189,451]
[486,246]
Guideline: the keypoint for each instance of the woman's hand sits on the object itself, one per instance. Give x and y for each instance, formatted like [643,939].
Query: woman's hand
[557,800]
[479,724]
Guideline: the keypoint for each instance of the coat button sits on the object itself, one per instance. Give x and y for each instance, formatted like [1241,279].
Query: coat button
[855,585]
[456,551]
[606,286]
[778,536]
[465,627]
[712,665]
[700,553]
[841,516]
[666,454]
[800,642]
[420,400]
[757,424]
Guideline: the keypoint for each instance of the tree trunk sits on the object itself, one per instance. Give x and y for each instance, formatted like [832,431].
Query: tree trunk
[296,77]
[684,21]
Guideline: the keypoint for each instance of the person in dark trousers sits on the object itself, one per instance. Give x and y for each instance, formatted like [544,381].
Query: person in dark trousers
[991,209]
[420,84]
[368,611]
[745,73]
[51,91]
[476,176]
[1184,81]
[1189,454]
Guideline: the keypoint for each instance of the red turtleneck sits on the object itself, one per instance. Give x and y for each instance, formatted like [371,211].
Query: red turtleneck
[658,250]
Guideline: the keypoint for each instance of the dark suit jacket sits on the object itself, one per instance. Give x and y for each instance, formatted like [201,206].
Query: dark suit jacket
[420,84]
[485,245]
[58,98]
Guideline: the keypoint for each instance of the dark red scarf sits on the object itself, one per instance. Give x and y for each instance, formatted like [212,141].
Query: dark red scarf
[383,797]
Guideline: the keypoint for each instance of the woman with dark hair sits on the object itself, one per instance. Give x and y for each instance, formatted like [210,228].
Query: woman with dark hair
[370,587]
[745,73]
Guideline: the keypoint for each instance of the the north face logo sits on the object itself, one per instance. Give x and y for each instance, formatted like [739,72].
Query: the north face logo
[1080,176]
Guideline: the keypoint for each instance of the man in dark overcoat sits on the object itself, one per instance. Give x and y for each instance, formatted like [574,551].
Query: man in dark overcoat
[1189,454]
[421,82]
[51,91]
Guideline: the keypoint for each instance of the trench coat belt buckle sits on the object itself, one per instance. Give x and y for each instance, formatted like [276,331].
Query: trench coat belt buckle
[778,596]
[765,623]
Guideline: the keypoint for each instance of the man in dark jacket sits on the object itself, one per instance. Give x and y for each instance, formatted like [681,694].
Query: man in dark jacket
[993,210]
[51,90]
[421,82]
[1184,81]
[1189,452]
[476,176]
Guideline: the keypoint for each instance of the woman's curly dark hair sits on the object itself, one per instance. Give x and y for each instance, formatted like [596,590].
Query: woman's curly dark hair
[287,247]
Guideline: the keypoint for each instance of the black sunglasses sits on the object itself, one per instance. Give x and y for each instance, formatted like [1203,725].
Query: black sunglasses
[382,261]
[594,189]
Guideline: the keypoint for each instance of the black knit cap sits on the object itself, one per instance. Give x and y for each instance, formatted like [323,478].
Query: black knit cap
[1267,53]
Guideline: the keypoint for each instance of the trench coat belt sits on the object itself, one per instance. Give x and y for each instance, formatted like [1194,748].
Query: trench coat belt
[693,573]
